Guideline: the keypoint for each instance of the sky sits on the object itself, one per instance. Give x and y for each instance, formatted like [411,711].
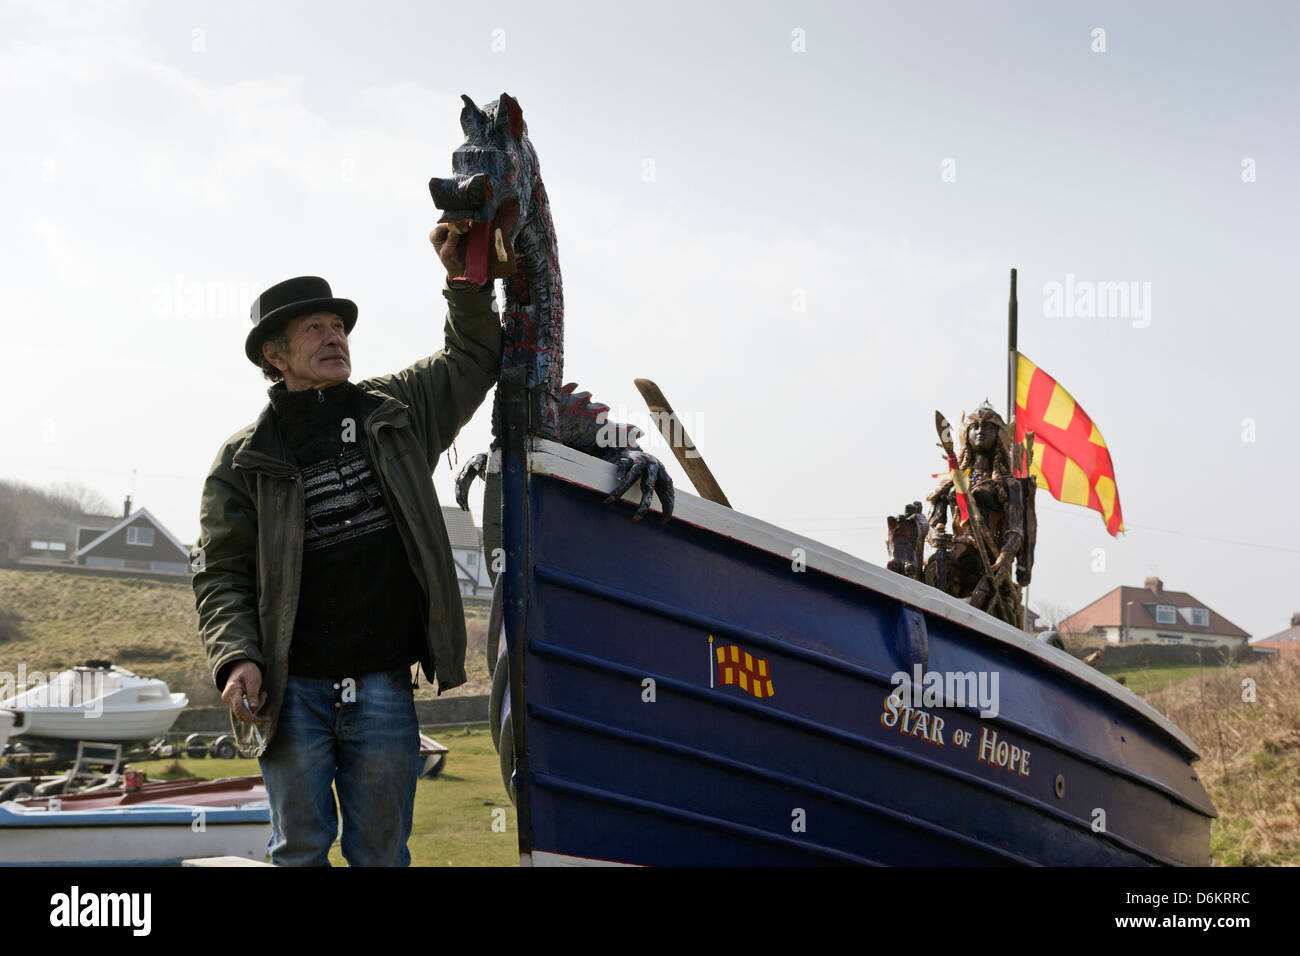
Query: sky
[797,218]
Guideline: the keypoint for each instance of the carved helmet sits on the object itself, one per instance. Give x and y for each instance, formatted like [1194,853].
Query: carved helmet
[987,414]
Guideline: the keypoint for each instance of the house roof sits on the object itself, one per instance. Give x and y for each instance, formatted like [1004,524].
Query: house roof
[1290,636]
[88,520]
[126,521]
[1108,611]
[460,529]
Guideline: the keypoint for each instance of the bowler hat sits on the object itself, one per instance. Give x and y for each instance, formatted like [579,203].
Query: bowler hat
[289,299]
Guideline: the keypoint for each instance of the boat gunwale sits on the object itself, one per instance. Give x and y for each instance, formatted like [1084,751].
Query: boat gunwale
[574,467]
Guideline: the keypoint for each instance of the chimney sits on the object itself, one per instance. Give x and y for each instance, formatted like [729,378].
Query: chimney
[126,507]
[1154,585]
[1295,620]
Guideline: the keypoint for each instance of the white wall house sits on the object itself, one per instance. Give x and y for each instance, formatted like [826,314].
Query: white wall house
[467,553]
[1150,614]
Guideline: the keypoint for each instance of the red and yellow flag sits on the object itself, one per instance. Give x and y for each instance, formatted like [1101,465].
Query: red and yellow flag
[1070,458]
[739,667]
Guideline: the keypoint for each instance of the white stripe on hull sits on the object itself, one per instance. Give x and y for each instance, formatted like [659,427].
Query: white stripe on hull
[37,845]
[546,858]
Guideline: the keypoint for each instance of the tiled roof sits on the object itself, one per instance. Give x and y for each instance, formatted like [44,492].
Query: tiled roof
[1108,611]
[460,529]
[1289,636]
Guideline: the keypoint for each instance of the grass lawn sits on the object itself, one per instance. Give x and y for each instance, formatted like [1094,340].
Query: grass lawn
[1150,680]
[454,817]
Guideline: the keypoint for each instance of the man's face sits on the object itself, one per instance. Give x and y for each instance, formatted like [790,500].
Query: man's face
[317,356]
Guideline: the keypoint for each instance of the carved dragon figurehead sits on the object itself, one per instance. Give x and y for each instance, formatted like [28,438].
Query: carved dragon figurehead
[497,186]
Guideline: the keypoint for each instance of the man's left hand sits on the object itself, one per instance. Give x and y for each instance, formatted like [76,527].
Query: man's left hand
[449,243]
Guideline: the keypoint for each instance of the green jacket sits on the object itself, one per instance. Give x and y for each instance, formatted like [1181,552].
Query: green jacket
[248,560]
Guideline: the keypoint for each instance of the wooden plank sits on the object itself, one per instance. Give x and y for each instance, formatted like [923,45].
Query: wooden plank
[688,456]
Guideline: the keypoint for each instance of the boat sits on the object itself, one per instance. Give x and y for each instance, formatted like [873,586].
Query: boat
[157,823]
[7,719]
[433,757]
[721,691]
[95,701]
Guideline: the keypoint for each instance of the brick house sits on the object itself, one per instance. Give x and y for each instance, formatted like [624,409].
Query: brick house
[136,542]
[1150,614]
[1286,643]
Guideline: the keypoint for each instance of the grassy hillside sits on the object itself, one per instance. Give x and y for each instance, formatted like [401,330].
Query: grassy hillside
[1250,756]
[148,626]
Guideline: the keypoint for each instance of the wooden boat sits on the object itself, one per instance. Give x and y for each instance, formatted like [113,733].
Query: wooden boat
[627,741]
[160,823]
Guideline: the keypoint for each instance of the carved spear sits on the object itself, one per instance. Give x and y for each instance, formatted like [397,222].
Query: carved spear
[959,481]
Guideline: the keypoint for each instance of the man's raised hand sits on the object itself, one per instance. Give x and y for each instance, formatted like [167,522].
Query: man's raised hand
[449,241]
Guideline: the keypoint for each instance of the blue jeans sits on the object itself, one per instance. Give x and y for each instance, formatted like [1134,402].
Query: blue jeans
[363,740]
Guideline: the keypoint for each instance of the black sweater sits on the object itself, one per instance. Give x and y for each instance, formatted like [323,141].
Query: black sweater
[360,608]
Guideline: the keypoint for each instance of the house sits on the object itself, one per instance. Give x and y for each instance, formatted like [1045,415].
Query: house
[467,553]
[136,542]
[1284,643]
[54,539]
[1150,614]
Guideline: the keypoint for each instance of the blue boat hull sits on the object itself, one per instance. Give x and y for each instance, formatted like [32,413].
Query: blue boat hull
[632,750]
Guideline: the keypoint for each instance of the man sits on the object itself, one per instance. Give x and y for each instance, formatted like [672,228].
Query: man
[323,569]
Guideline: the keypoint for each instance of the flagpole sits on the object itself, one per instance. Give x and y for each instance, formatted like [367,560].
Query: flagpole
[1013,320]
[1013,317]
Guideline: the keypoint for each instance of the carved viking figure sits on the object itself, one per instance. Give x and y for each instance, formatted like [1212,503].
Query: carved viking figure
[1005,504]
[906,541]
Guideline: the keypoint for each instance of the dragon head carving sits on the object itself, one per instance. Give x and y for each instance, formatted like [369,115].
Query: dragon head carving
[494,172]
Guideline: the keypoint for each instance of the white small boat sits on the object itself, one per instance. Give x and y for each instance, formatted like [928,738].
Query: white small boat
[95,701]
[154,834]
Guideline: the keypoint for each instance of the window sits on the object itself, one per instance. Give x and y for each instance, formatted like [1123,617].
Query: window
[1165,614]
[58,546]
[1200,617]
[472,560]
[1169,638]
[40,546]
[138,535]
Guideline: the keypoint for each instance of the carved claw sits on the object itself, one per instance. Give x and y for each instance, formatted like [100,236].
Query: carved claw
[474,468]
[632,465]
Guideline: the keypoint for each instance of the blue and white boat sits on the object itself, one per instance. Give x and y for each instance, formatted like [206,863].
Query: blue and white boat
[159,823]
[720,691]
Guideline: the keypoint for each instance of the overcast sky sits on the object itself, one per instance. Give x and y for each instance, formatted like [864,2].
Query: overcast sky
[797,217]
